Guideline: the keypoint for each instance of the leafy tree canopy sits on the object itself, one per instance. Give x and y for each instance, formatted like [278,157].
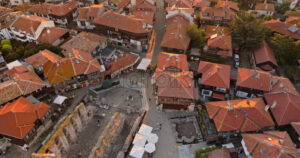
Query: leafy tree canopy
[197,36]
[248,32]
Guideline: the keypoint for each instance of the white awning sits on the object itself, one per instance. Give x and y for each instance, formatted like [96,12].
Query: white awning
[139,140]
[145,130]
[143,64]
[137,152]
[153,138]
[59,99]
[150,148]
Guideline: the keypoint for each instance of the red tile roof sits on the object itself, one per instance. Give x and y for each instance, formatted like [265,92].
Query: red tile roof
[282,84]
[121,22]
[265,6]
[223,12]
[180,3]
[271,144]
[221,42]
[92,11]
[4,11]
[29,23]
[176,36]
[145,16]
[143,5]
[264,54]
[219,153]
[244,115]
[84,41]
[51,34]
[296,126]
[253,79]
[230,4]
[39,59]
[26,79]
[201,3]
[127,60]
[186,10]
[211,30]
[216,75]
[282,28]
[59,10]
[172,61]
[9,90]
[177,85]
[287,107]
[19,117]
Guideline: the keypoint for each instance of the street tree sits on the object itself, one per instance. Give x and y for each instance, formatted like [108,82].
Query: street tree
[248,32]
[197,36]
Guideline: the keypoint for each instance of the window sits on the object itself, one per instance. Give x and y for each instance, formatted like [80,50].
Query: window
[206,92]
[241,94]
[223,90]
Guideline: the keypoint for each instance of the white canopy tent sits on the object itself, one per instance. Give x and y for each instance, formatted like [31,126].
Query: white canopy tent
[152,138]
[59,99]
[145,130]
[139,140]
[137,151]
[144,64]
[150,148]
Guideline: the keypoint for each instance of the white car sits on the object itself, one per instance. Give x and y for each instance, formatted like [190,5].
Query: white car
[236,57]
[237,64]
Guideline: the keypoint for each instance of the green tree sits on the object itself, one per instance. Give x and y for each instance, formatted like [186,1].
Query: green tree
[283,8]
[11,57]
[5,41]
[248,32]
[6,49]
[197,36]
[267,18]
[286,51]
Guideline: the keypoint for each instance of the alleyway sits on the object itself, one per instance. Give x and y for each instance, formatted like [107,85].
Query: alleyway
[159,28]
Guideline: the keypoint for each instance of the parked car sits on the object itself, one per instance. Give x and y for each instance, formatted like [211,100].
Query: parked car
[236,57]
[237,64]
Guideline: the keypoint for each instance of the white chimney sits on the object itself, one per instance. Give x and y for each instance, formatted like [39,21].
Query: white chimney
[267,108]
[273,105]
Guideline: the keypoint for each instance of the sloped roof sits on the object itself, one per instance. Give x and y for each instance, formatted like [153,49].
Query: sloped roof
[264,54]
[9,90]
[19,117]
[146,16]
[223,12]
[83,62]
[51,34]
[176,36]
[230,4]
[287,107]
[265,7]
[29,23]
[282,84]
[172,61]
[244,115]
[282,28]
[84,41]
[59,10]
[211,30]
[296,126]
[201,3]
[271,144]
[216,75]
[121,22]
[143,5]
[26,79]
[42,57]
[122,62]
[254,79]
[59,71]
[219,153]
[94,11]
[180,3]
[222,42]
[178,85]
[4,11]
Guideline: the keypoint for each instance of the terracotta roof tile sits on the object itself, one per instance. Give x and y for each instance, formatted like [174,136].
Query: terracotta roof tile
[219,153]
[244,115]
[223,12]
[211,30]
[51,34]
[282,84]
[5,11]
[26,79]
[180,3]
[216,75]
[85,13]
[28,23]
[19,117]
[287,107]
[265,6]
[230,4]
[146,16]
[172,61]
[264,54]
[122,62]
[221,42]
[59,10]
[296,126]
[9,90]
[186,10]
[178,85]
[39,59]
[201,3]
[282,28]
[143,5]
[121,22]
[253,79]
[271,144]
[84,41]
